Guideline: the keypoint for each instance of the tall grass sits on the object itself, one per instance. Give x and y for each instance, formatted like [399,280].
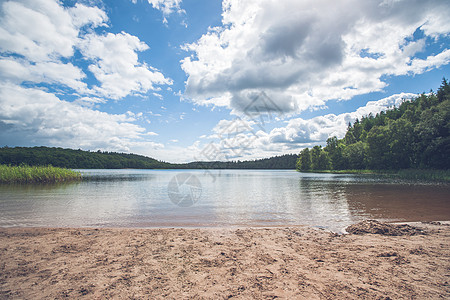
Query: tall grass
[342,171]
[36,174]
[409,174]
[432,175]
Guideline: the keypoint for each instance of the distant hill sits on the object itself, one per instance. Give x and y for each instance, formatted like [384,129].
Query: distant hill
[79,159]
[286,161]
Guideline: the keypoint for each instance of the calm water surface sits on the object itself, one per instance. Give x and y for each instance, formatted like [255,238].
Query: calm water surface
[144,198]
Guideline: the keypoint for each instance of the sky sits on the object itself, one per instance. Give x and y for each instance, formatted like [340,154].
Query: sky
[185,80]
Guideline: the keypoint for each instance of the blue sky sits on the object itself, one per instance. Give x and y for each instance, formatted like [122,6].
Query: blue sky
[183,80]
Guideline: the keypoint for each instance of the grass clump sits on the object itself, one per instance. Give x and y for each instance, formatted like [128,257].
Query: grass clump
[341,171]
[36,174]
[408,174]
[429,175]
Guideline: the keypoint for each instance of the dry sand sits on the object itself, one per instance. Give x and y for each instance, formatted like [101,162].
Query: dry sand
[260,263]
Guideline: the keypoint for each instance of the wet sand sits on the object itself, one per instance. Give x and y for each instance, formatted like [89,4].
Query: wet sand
[223,263]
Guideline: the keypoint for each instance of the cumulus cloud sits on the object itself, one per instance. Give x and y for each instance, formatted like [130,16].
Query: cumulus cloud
[40,30]
[20,70]
[166,6]
[36,35]
[244,139]
[40,46]
[29,115]
[39,38]
[304,53]
[116,67]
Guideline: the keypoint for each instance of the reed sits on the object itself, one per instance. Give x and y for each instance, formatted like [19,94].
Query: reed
[409,174]
[36,174]
[430,175]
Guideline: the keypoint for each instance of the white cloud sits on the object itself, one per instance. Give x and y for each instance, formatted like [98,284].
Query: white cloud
[166,6]
[39,30]
[83,15]
[151,133]
[116,67]
[153,114]
[304,53]
[38,43]
[34,116]
[159,96]
[226,128]
[41,33]
[243,139]
[89,101]
[20,70]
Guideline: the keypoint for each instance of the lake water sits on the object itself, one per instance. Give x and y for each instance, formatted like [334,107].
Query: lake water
[199,198]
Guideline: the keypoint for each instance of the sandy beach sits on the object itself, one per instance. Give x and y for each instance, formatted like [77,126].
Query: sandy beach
[225,263]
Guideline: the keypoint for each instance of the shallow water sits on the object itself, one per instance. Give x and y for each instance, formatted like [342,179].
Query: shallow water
[199,198]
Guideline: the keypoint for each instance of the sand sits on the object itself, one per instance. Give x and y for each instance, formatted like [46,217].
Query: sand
[223,263]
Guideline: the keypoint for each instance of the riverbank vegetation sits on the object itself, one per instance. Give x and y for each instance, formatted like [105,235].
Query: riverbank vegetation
[36,174]
[414,138]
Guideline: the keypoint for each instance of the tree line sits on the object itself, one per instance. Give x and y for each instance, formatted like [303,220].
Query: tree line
[79,159]
[414,135]
[286,161]
[76,159]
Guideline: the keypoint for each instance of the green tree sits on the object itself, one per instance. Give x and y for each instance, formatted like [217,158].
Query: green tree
[315,155]
[414,135]
[304,160]
[324,162]
[378,141]
[356,155]
[401,143]
[335,149]
[433,137]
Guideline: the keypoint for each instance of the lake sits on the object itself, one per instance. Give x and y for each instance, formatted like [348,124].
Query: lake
[210,198]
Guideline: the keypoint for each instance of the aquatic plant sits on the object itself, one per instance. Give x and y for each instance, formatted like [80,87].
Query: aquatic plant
[36,174]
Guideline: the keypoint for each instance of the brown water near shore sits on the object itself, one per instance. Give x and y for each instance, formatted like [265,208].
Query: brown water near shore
[406,203]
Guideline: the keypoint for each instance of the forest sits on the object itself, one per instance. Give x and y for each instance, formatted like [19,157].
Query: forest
[414,135]
[286,161]
[79,159]
[76,159]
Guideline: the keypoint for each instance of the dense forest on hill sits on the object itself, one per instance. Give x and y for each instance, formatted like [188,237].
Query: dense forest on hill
[414,135]
[76,159]
[79,159]
[286,161]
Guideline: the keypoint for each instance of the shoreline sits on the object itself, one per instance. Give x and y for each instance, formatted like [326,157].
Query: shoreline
[420,175]
[220,263]
[194,226]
